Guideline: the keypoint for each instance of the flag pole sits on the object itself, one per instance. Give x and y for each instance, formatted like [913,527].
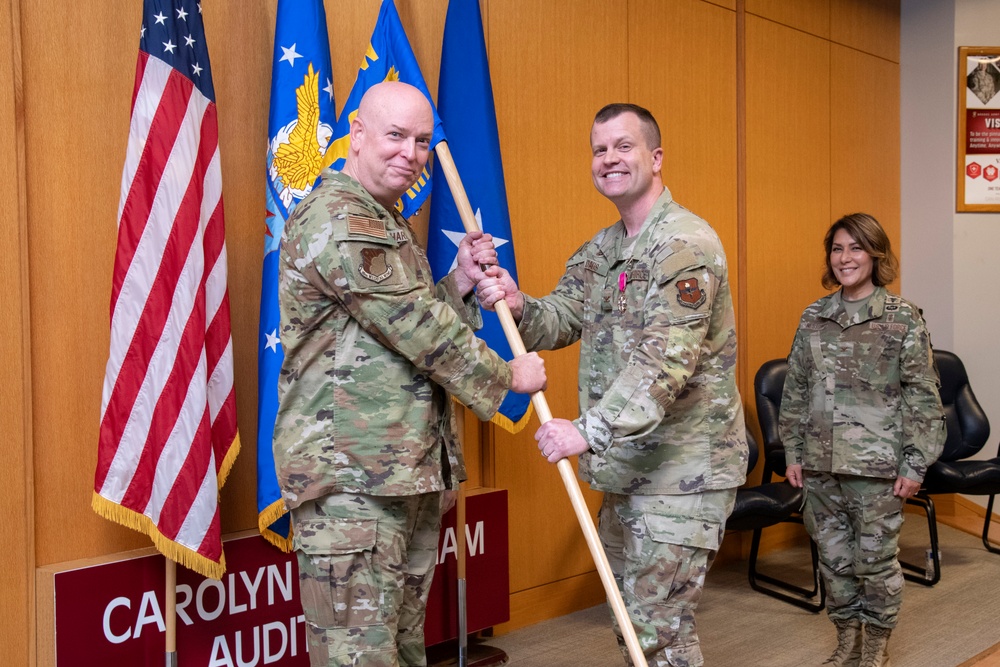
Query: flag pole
[170,613]
[545,415]
[463,625]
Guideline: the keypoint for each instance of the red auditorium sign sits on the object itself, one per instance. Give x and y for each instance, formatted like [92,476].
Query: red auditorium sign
[112,614]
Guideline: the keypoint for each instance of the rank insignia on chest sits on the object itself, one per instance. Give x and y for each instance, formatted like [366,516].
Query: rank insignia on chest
[357,224]
[689,294]
[373,265]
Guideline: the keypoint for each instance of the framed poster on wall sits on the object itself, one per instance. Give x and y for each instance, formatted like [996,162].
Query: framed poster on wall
[978,129]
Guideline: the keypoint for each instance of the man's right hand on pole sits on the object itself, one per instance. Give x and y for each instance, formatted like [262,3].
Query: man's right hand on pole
[529,374]
[499,285]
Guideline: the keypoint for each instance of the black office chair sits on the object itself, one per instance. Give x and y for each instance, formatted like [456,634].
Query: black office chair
[773,502]
[968,431]
[760,507]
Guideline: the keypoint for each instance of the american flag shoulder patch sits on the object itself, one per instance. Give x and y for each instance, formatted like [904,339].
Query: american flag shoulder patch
[357,224]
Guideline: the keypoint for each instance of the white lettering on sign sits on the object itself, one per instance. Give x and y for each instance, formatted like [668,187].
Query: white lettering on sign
[274,577]
[992,122]
[237,651]
[108,634]
[211,600]
[475,542]
[149,612]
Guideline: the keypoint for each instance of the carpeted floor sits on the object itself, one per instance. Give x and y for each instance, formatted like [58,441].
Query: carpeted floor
[942,626]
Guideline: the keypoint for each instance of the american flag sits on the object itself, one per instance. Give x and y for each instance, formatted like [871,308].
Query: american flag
[168,434]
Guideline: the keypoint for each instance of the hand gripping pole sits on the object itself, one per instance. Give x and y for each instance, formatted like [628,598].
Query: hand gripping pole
[545,415]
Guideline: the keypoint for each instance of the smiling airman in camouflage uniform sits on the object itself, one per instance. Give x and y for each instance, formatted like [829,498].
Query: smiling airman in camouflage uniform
[860,413]
[661,428]
[365,438]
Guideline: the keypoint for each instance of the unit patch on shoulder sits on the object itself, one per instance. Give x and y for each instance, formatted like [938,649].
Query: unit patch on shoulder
[373,265]
[689,294]
[357,224]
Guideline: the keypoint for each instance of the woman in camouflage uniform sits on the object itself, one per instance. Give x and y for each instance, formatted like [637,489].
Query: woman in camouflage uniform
[861,419]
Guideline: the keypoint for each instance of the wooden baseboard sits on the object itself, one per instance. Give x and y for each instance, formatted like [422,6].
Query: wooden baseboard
[963,514]
[551,600]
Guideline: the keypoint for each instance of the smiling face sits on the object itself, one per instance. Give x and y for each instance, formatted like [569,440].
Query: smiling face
[851,266]
[624,167]
[390,140]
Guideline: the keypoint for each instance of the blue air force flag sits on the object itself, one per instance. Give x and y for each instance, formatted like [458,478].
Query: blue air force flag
[388,58]
[465,102]
[299,131]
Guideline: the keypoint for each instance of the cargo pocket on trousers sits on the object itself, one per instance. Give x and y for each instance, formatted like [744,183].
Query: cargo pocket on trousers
[882,514]
[666,563]
[338,575]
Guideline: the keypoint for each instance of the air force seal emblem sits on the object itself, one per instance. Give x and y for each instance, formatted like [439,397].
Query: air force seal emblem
[373,265]
[689,294]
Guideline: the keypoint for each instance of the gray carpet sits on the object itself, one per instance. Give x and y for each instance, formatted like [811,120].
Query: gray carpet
[941,626]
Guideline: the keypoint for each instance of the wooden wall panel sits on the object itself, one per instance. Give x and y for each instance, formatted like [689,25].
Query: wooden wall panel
[76,99]
[812,16]
[871,26]
[788,181]
[694,100]
[17,560]
[863,90]
[548,81]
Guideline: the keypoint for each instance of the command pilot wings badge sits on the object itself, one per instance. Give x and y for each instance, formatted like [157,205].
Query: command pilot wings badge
[298,148]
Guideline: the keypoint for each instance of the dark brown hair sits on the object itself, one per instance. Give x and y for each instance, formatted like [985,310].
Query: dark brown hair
[868,233]
[650,129]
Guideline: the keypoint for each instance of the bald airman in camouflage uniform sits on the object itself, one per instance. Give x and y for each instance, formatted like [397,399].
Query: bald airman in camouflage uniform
[365,439]
[860,421]
[661,428]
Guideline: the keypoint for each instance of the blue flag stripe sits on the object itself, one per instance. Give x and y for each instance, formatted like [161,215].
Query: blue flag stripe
[389,57]
[465,103]
[301,83]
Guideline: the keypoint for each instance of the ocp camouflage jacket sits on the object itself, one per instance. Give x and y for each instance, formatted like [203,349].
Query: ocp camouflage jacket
[371,348]
[861,394]
[659,404]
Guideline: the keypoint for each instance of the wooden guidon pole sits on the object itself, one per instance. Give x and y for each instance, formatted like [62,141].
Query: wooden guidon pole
[545,415]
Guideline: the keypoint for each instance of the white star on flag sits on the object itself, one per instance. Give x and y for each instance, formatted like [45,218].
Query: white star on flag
[181,14]
[169,46]
[290,55]
[329,88]
[272,341]
[456,238]
[189,41]
[160,18]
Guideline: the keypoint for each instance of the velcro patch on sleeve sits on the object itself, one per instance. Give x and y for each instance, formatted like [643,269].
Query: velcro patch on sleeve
[373,227]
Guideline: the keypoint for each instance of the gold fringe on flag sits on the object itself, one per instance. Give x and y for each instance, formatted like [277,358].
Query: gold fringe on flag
[506,424]
[269,515]
[176,552]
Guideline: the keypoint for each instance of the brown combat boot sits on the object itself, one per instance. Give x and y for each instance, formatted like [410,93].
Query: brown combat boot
[875,648]
[848,653]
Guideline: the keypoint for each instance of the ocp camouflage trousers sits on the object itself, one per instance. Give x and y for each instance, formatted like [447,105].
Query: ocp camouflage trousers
[660,548]
[855,522]
[365,569]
